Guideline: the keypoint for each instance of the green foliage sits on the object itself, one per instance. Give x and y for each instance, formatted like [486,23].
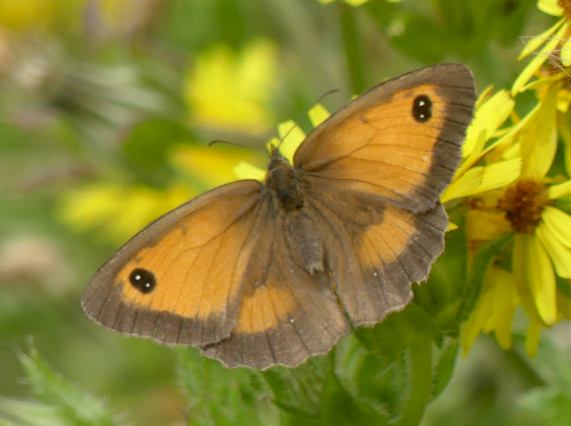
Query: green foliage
[218,396]
[58,402]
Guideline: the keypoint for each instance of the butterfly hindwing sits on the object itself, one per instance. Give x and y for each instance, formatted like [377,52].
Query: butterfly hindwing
[286,313]
[376,251]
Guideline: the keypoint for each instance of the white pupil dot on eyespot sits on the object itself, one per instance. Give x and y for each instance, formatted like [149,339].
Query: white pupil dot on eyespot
[375,274]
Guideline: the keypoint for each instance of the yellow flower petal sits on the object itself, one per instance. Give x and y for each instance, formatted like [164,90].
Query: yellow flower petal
[292,136]
[483,178]
[504,304]
[520,262]
[478,318]
[560,255]
[90,206]
[560,190]
[538,61]
[318,114]
[118,212]
[27,14]
[559,224]
[565,133]
[245,170]
[489,117]
[541,281]
[533,44]
[482,225]
[211,166]
[539,137]
[566,53]
[233,90]
[451,227]
[356,3]
[532,337]
[551,7]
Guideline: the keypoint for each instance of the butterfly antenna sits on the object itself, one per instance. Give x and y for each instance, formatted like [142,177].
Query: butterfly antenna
[220,141]
[318,100]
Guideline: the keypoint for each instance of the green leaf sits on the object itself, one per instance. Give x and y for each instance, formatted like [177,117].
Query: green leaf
[148,146]
[419,386]
[28,413]
[441,296]
[298,391]
[444,366]
[220,396]
[340,408]
[73,406]
[398,331]
[550,406]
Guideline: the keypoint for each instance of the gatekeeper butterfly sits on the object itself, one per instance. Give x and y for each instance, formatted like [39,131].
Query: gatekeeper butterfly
[257,274]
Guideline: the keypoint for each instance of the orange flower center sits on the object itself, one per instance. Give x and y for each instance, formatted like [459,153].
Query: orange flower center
[523,203]
[566,6]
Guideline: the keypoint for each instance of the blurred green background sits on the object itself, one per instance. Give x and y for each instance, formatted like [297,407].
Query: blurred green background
[106,110]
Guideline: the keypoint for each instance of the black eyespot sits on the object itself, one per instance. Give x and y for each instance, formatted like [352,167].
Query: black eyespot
[422,108]
[143,280]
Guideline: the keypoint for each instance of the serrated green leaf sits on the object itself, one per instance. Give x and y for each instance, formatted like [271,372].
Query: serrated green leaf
[340,408]
[298,391]
[74,406]
[219,396]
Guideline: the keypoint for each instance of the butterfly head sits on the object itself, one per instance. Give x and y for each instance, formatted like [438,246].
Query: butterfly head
[283,182]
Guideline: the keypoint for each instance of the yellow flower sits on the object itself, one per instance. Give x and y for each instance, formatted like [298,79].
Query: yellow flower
[27,14]
[290,137]
[545,44]
[482,139]
[542,240]
[494,309]
[118,211]
[233,91]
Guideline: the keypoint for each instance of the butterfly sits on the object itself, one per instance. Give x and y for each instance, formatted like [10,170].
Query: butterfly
[264,273]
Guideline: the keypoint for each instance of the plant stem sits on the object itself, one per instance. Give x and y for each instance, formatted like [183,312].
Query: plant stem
[420,382]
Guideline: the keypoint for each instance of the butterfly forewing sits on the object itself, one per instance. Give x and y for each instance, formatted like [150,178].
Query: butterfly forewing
[399,141]
[179,280]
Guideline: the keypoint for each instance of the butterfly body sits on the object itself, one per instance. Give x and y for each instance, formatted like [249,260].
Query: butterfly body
[284,183]
[259,274]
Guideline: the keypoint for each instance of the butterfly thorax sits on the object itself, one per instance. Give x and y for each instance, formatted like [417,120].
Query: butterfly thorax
[283,183]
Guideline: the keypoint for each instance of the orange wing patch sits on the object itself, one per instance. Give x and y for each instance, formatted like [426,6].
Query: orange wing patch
[200,279]
[265,309]
[383,243]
